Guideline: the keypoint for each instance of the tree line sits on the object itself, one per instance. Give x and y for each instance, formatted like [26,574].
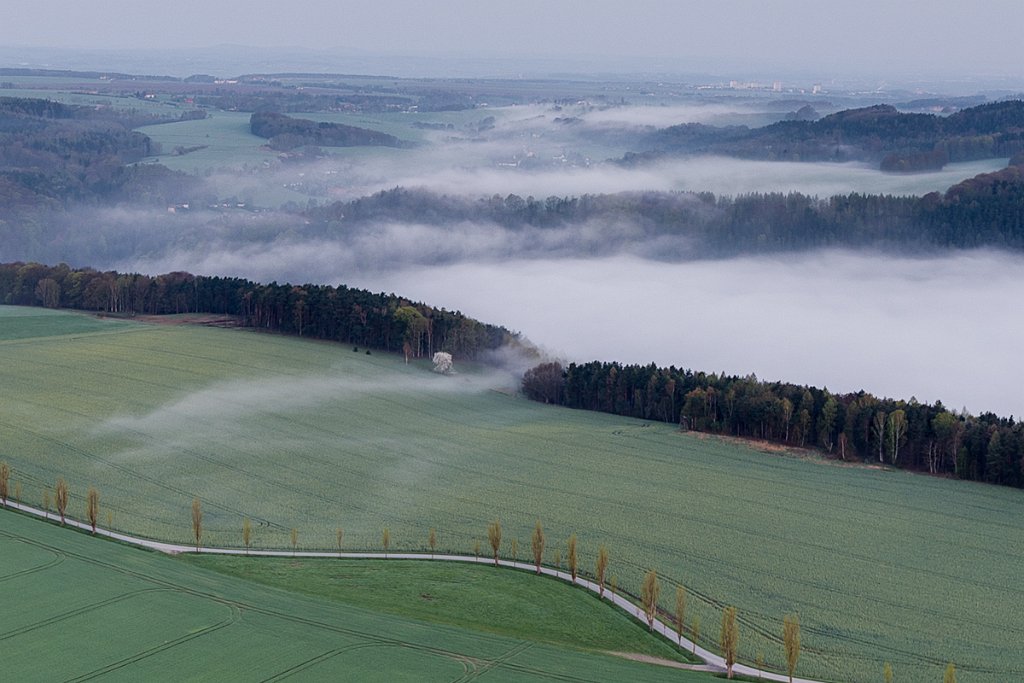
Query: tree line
[287,132]
[987,210]
[355,316]
[906,434]
[880,133]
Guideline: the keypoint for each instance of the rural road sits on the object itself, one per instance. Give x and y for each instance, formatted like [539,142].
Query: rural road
[714,661]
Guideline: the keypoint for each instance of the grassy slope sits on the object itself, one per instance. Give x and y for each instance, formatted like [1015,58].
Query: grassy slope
[509,603]
[880,565]
[225,134]
[76,607]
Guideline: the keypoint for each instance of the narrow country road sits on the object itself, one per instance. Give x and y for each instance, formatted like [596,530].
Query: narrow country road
[714,662]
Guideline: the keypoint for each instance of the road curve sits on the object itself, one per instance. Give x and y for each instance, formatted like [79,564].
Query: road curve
[715,661]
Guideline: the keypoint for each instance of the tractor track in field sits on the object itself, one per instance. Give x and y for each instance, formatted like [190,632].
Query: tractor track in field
[138,656]
[84,609]
[59,557]
[660,627]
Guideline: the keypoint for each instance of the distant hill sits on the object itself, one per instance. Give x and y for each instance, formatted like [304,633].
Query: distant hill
[878,134]
[287,132]
[52,154]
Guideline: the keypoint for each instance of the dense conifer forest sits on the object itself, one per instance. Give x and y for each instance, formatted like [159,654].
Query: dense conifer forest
[287,132]
[856,426]
[353,316]
[987,210]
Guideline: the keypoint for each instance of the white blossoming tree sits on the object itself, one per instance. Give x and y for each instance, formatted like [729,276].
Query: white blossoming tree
[443,363]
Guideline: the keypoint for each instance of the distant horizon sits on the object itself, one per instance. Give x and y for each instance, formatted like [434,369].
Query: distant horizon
[940,41]
[229,60]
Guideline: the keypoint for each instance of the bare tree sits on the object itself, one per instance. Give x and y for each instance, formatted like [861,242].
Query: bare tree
[759,663]
[537,545]
[546,383]
[48,292]
[649,596]
[695,631]
[92,507]
[887,672]
[787,417]
[197,521]
[432,540]
[295,540]
[950,675]
[602,568]
[573,558]
[46,503]
[896,429]
[878,431]
[385,540]
[513,547]
[246,534]
[494,538]
[339,537]
[476,548]
[60,498]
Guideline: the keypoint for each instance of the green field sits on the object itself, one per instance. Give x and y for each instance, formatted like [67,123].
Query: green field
[225,135]
[78,608]
[228,142]
[476,597]
[83,92]
[228,146]
[881,565]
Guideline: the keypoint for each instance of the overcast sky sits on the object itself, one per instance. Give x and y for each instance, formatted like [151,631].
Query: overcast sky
[847,37]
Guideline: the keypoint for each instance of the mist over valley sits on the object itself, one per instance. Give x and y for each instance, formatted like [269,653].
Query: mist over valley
[711,307]
[616,278]
[897,327]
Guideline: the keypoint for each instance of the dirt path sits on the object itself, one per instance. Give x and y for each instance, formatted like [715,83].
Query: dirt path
[713,661]
[650,659]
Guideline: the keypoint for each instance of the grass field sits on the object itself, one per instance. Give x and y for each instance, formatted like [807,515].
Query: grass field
[77,608]
[479,598]
[80,92]
[225,135]
[882,566]
[228,146]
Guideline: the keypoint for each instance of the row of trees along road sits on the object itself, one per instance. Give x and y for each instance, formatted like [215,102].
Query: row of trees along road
[61,497]
[650,589]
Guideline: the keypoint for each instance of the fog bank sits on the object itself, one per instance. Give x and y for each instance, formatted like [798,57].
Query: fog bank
[933,328]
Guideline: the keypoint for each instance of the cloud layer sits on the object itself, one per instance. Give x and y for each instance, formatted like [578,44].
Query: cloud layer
[934,328]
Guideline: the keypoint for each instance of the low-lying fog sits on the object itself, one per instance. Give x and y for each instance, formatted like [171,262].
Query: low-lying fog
[723,176]
[934,328]
[525,151]
[938,328]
